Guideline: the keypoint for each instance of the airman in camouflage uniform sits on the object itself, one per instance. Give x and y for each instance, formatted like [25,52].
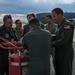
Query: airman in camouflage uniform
[18,29]
[51,26]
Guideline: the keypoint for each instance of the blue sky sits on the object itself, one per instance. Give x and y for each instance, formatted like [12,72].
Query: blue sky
[23,7]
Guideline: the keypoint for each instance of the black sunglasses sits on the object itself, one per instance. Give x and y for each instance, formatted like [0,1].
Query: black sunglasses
[8,16]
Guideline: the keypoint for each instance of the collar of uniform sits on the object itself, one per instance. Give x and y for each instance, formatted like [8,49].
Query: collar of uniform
[4,27]
[18,29]
[37,27]
[62,22]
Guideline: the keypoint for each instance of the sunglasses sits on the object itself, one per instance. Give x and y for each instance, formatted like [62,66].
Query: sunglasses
[8,16]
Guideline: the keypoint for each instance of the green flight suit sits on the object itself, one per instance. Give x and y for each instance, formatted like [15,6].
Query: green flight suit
[64,52]
[38,43]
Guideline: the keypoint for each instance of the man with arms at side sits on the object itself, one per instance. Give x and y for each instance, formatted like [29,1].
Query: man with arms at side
[64,39]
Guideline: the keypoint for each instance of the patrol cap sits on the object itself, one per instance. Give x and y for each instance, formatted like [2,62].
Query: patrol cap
[7,17]
[34,22]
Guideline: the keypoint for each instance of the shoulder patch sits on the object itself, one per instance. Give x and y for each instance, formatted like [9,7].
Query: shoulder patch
[67,27]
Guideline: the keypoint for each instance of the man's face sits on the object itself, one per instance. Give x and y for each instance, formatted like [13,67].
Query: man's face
[56,17]
[48,20]
[8,23]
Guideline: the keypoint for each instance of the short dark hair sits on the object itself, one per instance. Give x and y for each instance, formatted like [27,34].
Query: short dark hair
[7,17]
[34,22]
[17,21]
[32,14]
[49,16]
[58,11]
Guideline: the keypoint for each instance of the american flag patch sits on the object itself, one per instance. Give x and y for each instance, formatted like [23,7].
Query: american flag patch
[67,27]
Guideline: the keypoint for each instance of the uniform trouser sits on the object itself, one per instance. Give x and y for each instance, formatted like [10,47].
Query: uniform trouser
[63,66]
[3,63]
[39,67]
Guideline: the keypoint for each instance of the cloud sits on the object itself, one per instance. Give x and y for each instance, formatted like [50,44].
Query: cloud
[66,1]
[20,8]
[48,1]
[26,6]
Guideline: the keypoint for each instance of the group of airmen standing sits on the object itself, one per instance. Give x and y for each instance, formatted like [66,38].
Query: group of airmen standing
[41,41]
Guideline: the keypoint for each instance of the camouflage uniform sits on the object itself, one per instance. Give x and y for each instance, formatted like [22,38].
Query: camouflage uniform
[18,33]
[52,28]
